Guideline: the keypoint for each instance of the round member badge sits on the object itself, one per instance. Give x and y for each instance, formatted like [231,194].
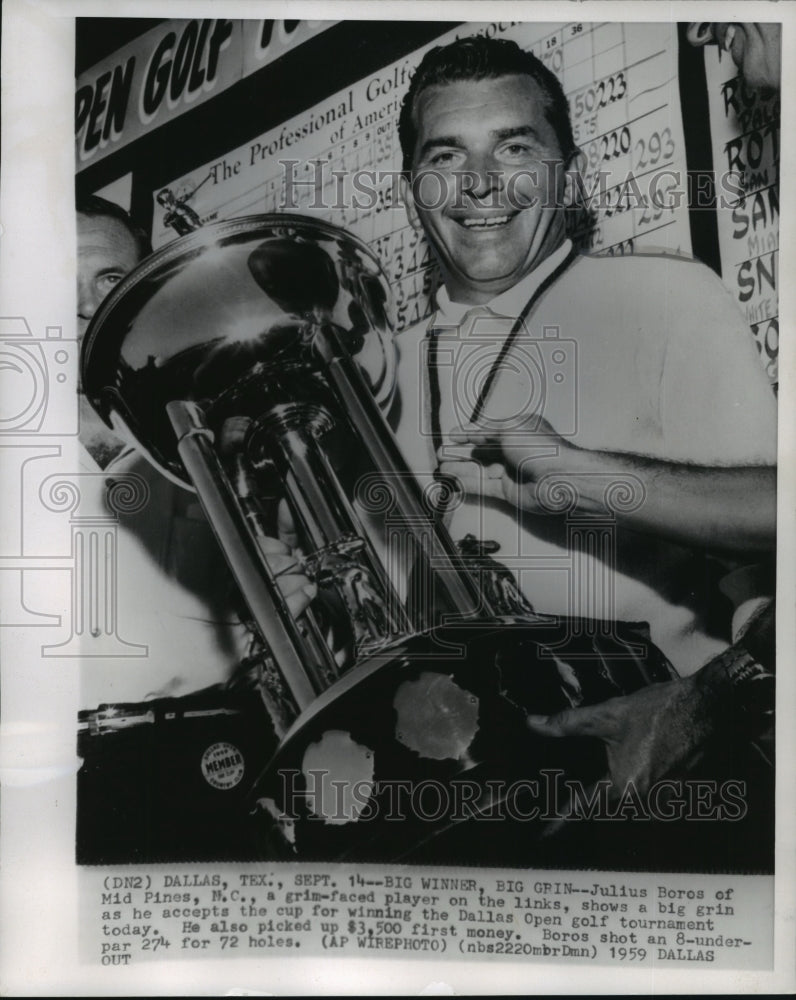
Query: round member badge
[222,765]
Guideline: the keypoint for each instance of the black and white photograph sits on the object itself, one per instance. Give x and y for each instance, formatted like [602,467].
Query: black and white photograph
[394,536]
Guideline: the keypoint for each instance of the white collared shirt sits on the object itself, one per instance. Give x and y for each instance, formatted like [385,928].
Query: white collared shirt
[646,355]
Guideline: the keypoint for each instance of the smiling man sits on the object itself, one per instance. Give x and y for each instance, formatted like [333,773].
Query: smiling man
[644,365]
[493,150]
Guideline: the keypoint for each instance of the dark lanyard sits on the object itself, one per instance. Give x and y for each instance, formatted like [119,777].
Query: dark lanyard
[435,395]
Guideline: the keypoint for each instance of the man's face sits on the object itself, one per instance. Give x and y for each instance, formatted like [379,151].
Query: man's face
[106,252]
[484,186]
[755,48]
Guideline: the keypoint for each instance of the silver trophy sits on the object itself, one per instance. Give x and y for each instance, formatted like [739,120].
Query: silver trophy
[253,362]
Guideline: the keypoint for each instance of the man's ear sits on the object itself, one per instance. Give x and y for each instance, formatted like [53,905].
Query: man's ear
[409,202]
[573,169]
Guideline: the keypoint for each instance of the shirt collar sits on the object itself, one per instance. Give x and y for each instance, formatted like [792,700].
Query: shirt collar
[509,303]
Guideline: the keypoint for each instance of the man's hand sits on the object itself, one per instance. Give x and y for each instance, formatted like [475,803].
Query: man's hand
[726,509]
[281,553]
[284,562]
[651,734]
[505,464]
[531,448]
[296,587]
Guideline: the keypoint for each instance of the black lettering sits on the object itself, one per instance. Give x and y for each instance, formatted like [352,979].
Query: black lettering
[740,219]
[758,210]
[733,149]
[730,94]
[93,133]
[197,70]
[754,149]
[182,60]
[157,77]
[745,282]
[769,273]
[221,35]
[83,100]
[773,201]
[267,33]
[119,98]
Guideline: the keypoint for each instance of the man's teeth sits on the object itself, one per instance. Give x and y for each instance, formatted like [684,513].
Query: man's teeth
[729,34]
[498,220]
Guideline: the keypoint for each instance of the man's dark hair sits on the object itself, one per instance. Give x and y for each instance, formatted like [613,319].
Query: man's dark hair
[94,207]
[480,58]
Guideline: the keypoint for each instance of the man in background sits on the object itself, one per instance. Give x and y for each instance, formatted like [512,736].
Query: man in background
[109,246]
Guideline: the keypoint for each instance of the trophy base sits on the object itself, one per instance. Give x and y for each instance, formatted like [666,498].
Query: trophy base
[418,755]
[422,752]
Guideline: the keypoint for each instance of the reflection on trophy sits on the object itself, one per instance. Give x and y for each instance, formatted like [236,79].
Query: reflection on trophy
[253,363]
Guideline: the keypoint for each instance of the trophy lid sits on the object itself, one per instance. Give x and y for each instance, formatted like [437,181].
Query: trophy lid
[231,303]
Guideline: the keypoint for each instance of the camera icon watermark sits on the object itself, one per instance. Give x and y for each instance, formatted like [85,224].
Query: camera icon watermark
[36,392]
[507,384]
